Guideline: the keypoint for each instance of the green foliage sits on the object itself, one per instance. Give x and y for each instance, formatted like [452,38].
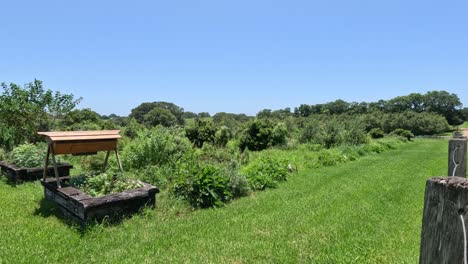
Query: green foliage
[140,112]
[85,119]
[260,134]
[24,111]
[403,133]
[203,186]
[376,133]
[3,155]
[160,116]
[334,132]
[104,184]
[200,132]
[266,172]
[366,203]
[204,115]
[133,128]
[222,136]
[279,134]
[436,102]
[28,155]
[159,146]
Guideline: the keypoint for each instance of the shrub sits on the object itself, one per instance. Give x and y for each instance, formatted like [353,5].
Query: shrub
[266,172]
[222,136]
[3,155]
[160,116]
[200,132]
[403,133]
[28,155]
[355,133]
[133,128]
[158,146]
[214,154]
[104,184]
[262,133]
[279,134]
[376,133]
[330,157]
[238,184]
[203,186]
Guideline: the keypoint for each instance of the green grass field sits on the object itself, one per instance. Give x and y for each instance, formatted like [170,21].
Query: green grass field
[366,211]
[465,125]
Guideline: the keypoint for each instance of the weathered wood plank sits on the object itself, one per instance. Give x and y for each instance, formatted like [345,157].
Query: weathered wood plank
[442,232]
[457,157]
[18,174]
[83,208]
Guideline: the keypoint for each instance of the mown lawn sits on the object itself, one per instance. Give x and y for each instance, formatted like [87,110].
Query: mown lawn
[366,211]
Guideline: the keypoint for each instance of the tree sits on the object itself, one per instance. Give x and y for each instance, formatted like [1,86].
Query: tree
[464,112]
[204,115]
[189,115]
[140,111]
[24,111]
[160,116]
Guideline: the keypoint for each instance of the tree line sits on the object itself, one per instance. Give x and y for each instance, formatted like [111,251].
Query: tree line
[24,110]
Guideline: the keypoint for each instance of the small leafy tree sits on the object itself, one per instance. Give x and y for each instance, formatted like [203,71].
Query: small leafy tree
[24,111]
[160,116]
[200,132]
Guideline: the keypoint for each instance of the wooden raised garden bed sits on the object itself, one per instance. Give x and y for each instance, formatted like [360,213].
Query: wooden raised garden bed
[77,205]
[82,208]
[19,174]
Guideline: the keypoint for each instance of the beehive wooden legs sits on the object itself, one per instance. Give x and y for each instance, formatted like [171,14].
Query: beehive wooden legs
[46,163]
[105,162]
[57,176]
[118,160]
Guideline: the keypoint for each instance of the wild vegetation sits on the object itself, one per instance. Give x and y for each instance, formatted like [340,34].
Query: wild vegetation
[207,160]
[320,159]
[366,211]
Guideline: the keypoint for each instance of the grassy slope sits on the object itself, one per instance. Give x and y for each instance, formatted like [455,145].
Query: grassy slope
[465,125]
[363,211]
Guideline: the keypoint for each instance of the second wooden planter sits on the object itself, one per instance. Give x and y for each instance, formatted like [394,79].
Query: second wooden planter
[19,174]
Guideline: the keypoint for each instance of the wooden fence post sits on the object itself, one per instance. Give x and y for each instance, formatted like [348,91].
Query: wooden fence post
[442,238]
[457,157]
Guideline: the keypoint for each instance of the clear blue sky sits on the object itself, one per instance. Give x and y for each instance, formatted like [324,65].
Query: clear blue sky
[235,56]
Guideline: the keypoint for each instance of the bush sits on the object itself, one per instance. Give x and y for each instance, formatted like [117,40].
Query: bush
[160,116]
[279,134]
[330,157]
[28,155]
[238,184]
[261,134]
[266,172]
[159,146]
[202,131]
[3,155]
[355,133]
[203,186]
[222,136]
[376,133]
[403,133]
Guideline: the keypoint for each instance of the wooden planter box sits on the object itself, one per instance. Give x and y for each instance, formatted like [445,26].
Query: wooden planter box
[82,208]
[19,174]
